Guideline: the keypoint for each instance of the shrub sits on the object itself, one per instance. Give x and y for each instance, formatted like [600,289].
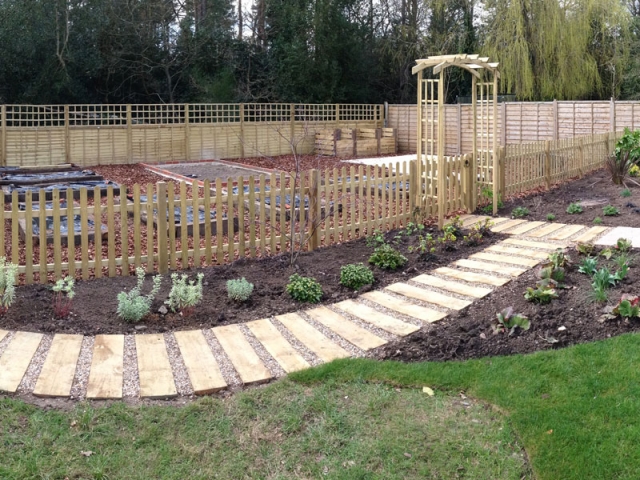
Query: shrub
[507,320]
[626,193]
[519,212]
[610,211]
[597,221]
[132,306]
[542,294]
[426,246]
[574,208]
[473,239]
[63,296]
[626,154]
[551,217]
[387,258]
[8,276]
[184,296]
[239,290]
[634,171]
[355,276]
[304,289]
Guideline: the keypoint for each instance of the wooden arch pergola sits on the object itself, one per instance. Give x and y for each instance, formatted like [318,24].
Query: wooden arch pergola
[483,167]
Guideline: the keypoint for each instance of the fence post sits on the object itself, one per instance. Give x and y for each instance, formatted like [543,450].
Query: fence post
[612,115]
[580,156]
[242,130]
[337,115]
[161,195]
[413,186]
[292,120]
[378,137]
[129,135]
[3,140]
[314,209]
[556,131]
[187,134]
[547,164]
[67,141]
[502,160]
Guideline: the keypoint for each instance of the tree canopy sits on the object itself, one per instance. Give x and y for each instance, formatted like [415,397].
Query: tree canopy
[334,51]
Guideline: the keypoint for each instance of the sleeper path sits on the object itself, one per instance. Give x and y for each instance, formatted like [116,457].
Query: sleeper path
[270,347]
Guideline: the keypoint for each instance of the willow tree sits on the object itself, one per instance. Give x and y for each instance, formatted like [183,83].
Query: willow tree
[564,49]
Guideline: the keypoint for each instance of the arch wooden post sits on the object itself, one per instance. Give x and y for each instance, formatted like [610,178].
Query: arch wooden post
[417,202]
[442,186]
[496,158]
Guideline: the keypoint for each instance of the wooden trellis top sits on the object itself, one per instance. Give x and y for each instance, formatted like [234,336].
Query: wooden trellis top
[471,63]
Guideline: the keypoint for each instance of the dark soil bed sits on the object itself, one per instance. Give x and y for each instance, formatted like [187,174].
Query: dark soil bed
[593,191]
[468,334]
[95,304]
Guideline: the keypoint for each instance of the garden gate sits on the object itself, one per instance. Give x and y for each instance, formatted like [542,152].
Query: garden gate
[437,176]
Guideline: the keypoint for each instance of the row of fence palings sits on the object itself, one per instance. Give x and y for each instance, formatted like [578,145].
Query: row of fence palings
[90,135]
[213,224]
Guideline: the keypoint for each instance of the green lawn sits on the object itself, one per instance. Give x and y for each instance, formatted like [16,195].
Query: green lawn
[576,410]
[332,430]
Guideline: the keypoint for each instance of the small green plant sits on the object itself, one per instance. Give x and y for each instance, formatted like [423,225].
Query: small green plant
[488,194]
[355,276]
[63,297]
[589,266]
[507,320]
[484,227]
[304,289]
[542,294]
[626,154]
[557,274]
[599,293]
[426,246]
[473,239]
[239,290]
[412,228]
[375,240]
[597,221]
[628,307]
[8,276]
[550,217]
[585,248]
[448,241]
[603,279]
[574,208]
[634,171]
[454,227]
[519,212]
[623,258]
[623,245]
[132,306]
[387,258]
[610,211]
[606,253]
[185,294]
[559,259]
[626,193]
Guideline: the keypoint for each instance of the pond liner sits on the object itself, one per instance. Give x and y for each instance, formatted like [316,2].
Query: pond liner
[62,187]
[64,226]
[63,167]
[24,179]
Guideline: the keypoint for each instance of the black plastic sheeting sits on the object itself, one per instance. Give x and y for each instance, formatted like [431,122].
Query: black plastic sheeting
[76,186]
[45,177]
[177,212]
[64,223]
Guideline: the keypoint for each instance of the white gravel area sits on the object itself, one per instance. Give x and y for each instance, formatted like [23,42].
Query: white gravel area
[81,379]
[5,341]
[333,336]
[392,313]
[30,378]
[270,362]
[226,367]
[311,358]
[180,374]
[389,337]
[130,378]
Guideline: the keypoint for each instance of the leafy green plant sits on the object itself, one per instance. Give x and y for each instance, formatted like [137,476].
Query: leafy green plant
[606,253]
[426,246]
[412,228]
[558,259]
[628,307]
[623,245]
[519,212]
[132,305]
[585,248]
[634,171]
[603,279]
[375,240]
[304,289]
[610,211]
[599,293]
[626,193]
[387,258]
[507,320]
[550,217]
[473,239]
[557,274]
[574,208]
[448,241]
[185,294]
[63,297]
[239,289]
[484,227]
[454,227]
[623,258]
[8,277]
[597,221]
[589,266]
[355,276]
[487,193]
[542,294]
[626,154]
